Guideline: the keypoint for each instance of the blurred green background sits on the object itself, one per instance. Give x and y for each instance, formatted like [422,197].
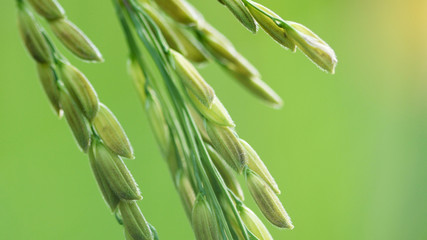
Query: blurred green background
[348,150]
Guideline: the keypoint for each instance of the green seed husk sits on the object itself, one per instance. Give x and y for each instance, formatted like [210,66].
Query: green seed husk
[204,223]
[180,11]
[239,10]
[257,165]
[108,194]
[154,232]
[227,144]
[138,78]
[186,192]
[80,89]
[134,222]
[127,235]
[261,90]
[49,9]
[174,157]
[226,173]
[193,50]
[199,121]
[192,79]
[267,201]
[76,120]
[217,113]
[118,216]
[116,173]
[32,35]
[231,218]
[48,80]
[264,17]
[224,51]
[312,46]
[165,27]
[111,132]
[254,224]
[158,122]
[75,40]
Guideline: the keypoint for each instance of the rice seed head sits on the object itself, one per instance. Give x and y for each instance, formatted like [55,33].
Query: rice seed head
[158,122]
[257,165]
[75,40]
[267,201]
[80,89]
[265,17]
[186,192]
[115,172]
[312,46]
[192,79]
[165,27]
[48,80]
[49,9]
[134,222]
[217,113]
[180,11]
[204,223]
[230,217]
[32,36]
[111,132]
[239,10]
[254,224]
[76,120]
[226,173]
[224,51]
[108,194]
[225,141]
[260,89]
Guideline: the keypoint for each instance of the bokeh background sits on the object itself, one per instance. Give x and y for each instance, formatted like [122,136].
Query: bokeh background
[348,150]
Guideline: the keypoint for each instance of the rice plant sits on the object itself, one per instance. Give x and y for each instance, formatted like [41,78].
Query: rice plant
[168,40]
